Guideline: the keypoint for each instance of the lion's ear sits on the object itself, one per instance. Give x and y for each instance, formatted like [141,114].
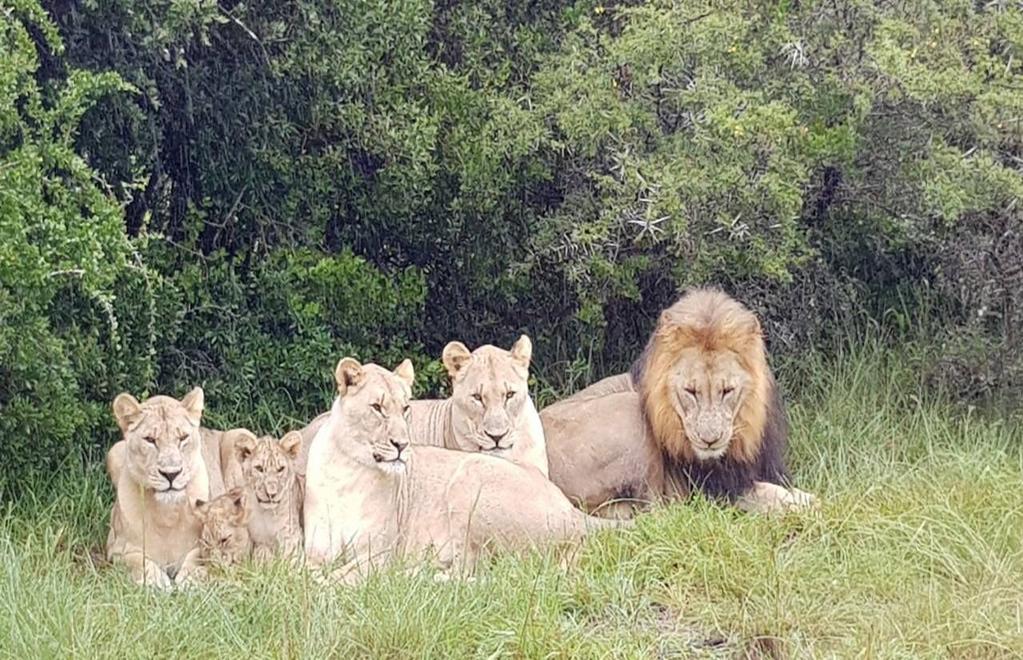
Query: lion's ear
[522,351]
[405,372]
[245,444]
[126,410]
[349,373]
[193,403]
[202,509]
[239,505]
[291,443]
[455,357]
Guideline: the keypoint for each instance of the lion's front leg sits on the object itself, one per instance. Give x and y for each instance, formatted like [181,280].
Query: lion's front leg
[766,497]
[192,571]
[144,571]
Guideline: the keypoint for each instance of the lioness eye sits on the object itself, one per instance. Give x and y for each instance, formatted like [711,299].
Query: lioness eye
[183,439]
[280,468]
[376,407]
[224,540]
[727,391]
[509,395]
[691,391]
[150,439]
[405,410]
[259,468]
[478,397]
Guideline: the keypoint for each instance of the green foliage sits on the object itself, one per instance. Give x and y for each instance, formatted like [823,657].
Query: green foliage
[199,192]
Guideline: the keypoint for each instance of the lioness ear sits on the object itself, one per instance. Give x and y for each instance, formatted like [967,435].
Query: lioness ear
[348,373]
[405,372]
[291,443]
[240,504]
[522,350]
[245,444]
[193,403]
[126,410]
[455,357]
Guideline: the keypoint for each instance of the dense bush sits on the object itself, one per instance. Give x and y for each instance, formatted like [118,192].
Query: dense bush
[261,187]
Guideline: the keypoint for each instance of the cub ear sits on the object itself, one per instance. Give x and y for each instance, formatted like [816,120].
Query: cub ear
[126,410]
[239,504]
[193,403]
[405,372]
[349,373]
[455,357]
[291,443]
[522,350]
[202,509]
[245,444]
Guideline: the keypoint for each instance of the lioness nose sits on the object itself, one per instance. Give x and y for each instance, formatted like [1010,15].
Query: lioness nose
[496,437]
[399,443]
[170,476]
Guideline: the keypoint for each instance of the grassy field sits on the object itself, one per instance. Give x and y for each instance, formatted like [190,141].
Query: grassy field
[916,552]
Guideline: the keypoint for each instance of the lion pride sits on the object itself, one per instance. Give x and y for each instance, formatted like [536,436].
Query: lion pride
[698,410]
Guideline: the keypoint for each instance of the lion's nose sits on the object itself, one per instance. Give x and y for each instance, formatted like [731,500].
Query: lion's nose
[399,444]
[496,437]
[170,476]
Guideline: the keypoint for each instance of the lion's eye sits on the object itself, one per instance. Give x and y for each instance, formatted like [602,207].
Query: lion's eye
[726,391]
[406,410]
[225,540]
[150,439]
[478,397]
[280,468]
[509,395]
[183,439]
[377,407]
[258,468]
[691,391]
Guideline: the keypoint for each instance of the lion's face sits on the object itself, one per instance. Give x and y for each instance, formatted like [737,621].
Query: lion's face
[268,466]
[375,406]
[163,441]
[489,392]
[225,534]
[707,390]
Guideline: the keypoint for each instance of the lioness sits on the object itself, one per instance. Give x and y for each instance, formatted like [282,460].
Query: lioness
[267,468]
[370,496]
[159,472]
[224,538]
[489,410]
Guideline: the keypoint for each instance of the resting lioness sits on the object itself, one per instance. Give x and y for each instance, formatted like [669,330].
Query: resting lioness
[489,410]
[369,496]
[159,472]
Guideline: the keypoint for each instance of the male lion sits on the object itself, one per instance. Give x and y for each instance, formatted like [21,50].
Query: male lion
[224,538]
[699,409]
[371,497]
[267,473]
[489,410]
[159,471]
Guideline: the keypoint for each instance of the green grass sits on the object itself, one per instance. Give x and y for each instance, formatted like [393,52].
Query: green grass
[916,552]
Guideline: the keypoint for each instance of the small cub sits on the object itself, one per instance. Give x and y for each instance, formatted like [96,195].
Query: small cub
[268,472]
[225,539]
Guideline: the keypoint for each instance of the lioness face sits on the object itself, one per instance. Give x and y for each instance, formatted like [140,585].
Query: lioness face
[163,442]
[375,405]
[225,534]
[707,389]
[269,466]
[489,391]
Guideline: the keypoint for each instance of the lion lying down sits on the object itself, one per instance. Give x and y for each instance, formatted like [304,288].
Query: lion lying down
[370,497]
[159,471]
[699,411]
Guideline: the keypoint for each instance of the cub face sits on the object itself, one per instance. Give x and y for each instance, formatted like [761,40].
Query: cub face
[225,533]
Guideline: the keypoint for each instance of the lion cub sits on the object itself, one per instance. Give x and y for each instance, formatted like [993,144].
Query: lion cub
[266,470]
[225,536]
